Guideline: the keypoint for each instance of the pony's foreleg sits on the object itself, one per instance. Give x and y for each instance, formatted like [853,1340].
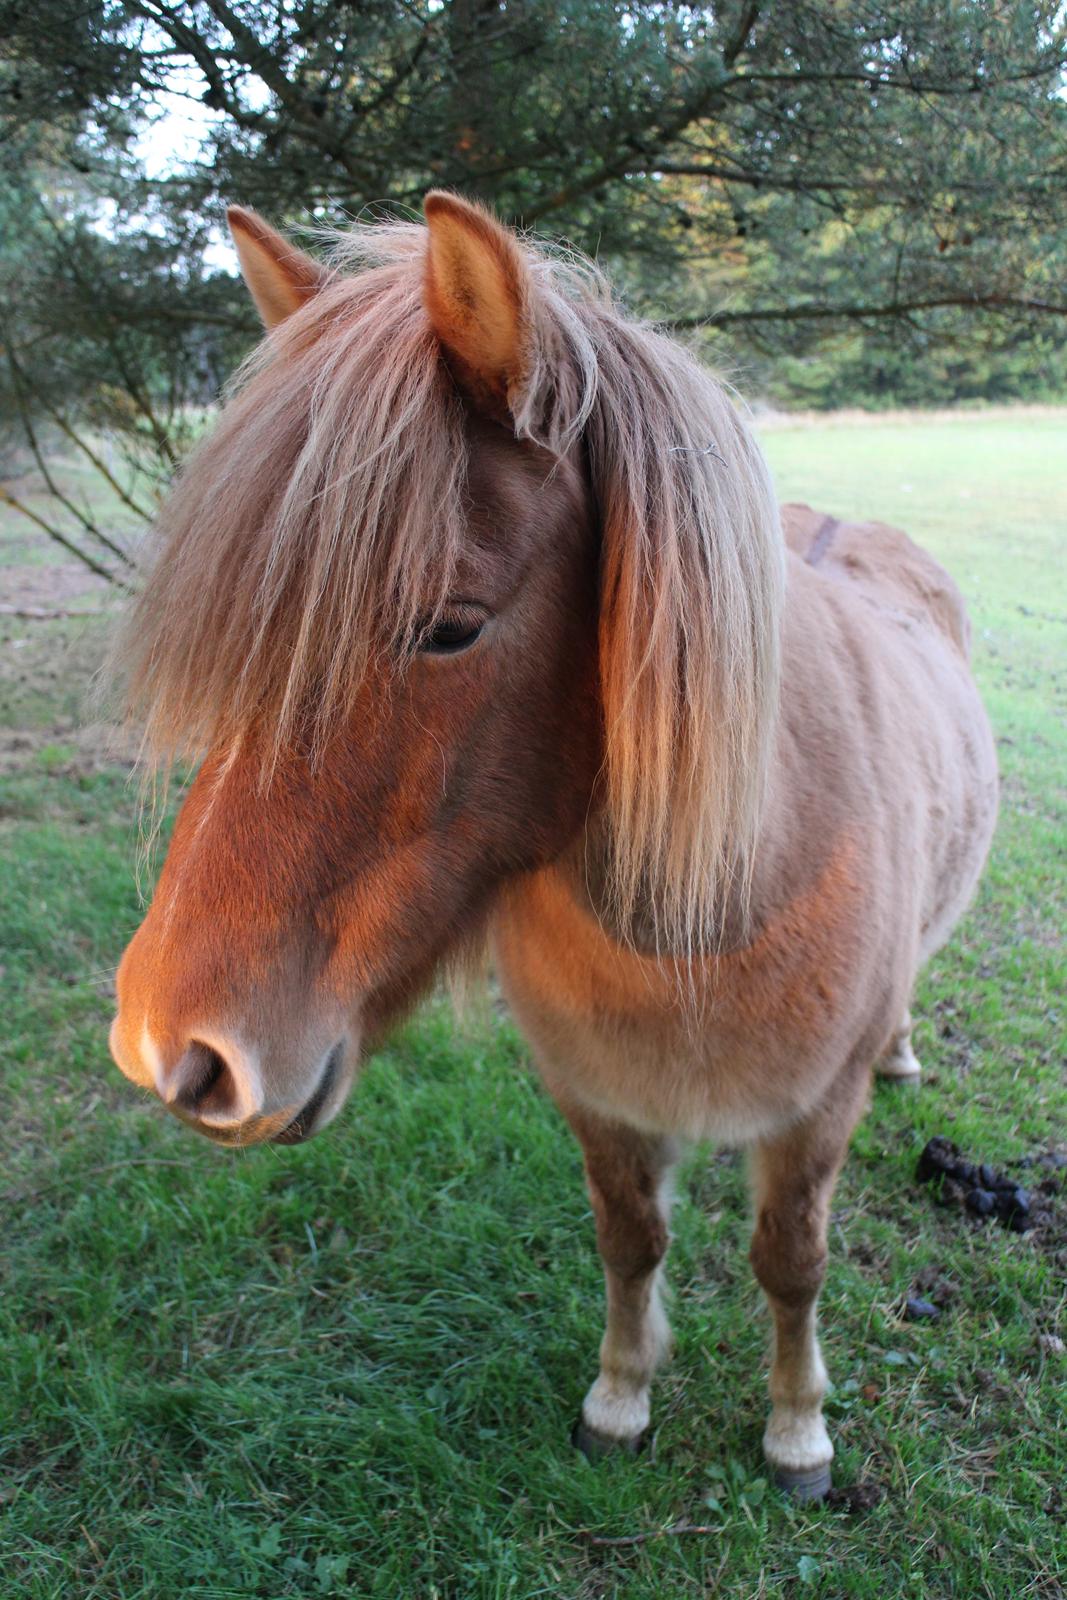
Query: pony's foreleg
[628,1175]
[793,1179]
[899,1060]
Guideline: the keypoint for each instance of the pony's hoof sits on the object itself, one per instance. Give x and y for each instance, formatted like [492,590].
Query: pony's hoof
[807,1483]
[892,1075]
[900,1065]
[595,1446]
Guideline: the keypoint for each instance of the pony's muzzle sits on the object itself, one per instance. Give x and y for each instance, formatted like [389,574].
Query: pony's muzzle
[210,1085]
[318,1108]
[218,1092]
[216,1086]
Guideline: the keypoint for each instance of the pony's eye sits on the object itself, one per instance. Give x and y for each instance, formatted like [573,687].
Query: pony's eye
[451,633]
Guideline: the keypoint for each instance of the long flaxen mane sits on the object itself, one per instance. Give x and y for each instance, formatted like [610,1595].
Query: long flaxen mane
[319,523]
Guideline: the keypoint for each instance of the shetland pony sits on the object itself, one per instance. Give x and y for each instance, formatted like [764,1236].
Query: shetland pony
[477,607]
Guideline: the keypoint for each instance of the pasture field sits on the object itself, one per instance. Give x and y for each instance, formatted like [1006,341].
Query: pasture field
[350,1369]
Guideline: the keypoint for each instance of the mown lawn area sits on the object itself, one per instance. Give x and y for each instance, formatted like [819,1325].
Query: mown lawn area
[351,1368]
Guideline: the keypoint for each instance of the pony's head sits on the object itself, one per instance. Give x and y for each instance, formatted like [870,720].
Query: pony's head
[472,572]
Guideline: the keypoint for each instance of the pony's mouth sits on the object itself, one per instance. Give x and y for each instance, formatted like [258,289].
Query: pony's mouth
[303,1124]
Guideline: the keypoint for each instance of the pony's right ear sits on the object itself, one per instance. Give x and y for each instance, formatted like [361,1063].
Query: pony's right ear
[280,277]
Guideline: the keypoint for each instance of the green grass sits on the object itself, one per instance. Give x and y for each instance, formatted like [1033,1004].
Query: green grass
[351,1368]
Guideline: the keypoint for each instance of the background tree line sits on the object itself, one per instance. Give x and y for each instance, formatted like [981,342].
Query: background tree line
[848,202]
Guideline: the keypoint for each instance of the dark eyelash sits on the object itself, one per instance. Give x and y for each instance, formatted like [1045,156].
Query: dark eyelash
[450,634]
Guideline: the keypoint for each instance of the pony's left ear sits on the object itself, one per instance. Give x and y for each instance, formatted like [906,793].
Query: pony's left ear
[477,294]
[280,277]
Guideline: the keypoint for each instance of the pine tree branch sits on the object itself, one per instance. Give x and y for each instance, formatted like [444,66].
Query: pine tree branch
[815,311]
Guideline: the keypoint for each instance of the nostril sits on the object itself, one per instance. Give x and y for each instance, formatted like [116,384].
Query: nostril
[203,1081]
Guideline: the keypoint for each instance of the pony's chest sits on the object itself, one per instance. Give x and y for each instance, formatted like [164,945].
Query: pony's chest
[736,1049]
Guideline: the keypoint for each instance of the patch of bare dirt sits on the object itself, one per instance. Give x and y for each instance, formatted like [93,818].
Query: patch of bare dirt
[50,659]
[38,586]
[75,752]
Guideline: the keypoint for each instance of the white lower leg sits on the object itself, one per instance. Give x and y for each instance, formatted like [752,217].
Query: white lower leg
[900,1061]
[796,1439]
[636,1338]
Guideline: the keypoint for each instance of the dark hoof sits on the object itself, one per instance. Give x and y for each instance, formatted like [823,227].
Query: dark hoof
[812,1483]
[595,1446]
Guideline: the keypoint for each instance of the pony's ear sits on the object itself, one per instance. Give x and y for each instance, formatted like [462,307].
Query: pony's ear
[477,295]
[280,277]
